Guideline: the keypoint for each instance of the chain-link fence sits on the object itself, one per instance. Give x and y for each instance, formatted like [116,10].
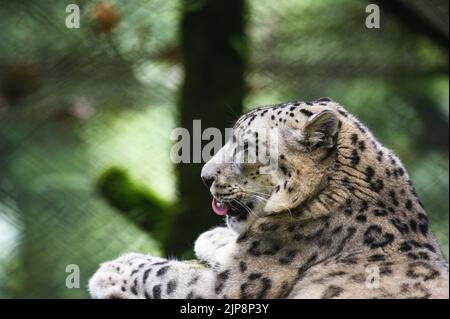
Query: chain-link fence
[77,102]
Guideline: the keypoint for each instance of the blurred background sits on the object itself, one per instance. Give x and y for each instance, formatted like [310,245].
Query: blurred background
[86,114]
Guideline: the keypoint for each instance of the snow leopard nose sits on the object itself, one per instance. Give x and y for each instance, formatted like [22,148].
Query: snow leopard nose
[208,174]
[208,180]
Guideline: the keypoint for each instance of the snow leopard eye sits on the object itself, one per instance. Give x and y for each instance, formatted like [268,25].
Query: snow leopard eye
[247,156]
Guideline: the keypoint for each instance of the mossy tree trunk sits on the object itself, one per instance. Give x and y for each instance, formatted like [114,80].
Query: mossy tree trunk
[214,49]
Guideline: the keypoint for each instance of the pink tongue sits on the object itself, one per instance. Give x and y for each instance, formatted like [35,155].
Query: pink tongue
[221,211]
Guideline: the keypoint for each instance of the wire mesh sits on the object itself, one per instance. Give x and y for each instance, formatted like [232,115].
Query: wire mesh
[91,102]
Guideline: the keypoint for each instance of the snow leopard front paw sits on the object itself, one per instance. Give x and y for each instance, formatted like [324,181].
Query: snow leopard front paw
[215,245]
[114,279]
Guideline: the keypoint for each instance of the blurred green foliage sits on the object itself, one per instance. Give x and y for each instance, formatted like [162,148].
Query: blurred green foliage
[138,203]
[85,120]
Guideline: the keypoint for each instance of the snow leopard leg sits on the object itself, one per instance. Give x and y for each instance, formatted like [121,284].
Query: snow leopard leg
[137,276]
[216,246]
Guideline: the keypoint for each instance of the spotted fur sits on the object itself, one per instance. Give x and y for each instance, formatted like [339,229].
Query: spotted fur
[337,214]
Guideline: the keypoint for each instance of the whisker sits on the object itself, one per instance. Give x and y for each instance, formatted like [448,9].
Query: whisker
[230,203]
[248,209]
[261,198]
[256,193]
[290,213]
[242,205]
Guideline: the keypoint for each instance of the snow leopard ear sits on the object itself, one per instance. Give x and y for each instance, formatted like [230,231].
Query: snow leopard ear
[319,132]
[321,129]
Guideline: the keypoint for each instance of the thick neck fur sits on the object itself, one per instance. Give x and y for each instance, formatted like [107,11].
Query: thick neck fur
[368,204]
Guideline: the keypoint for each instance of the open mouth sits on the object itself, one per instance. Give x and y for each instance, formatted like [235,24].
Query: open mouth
[223,208]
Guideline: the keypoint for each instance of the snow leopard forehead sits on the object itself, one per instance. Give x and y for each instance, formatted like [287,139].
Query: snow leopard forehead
[278,115]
